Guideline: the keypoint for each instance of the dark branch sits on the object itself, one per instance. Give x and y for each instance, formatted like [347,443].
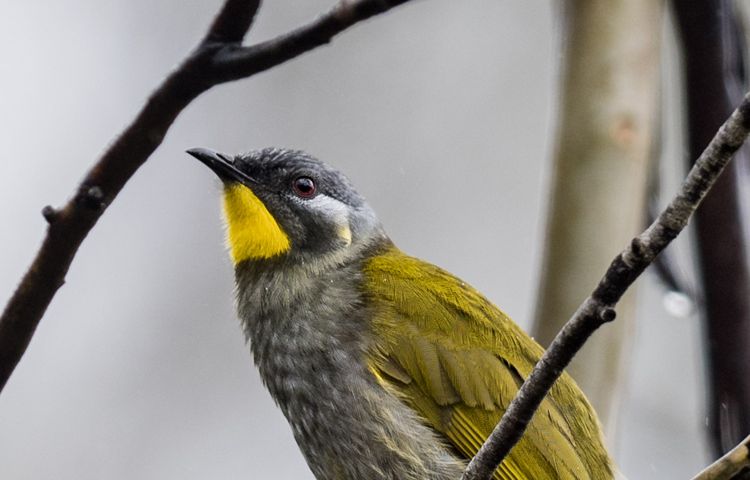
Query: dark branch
[714,48]
[218,58]
[240,62]
[233,21]
[598,308]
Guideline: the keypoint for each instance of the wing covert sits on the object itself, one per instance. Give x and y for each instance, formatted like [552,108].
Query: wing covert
[458,360]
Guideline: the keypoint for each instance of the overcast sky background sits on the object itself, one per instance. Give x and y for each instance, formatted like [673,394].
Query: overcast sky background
[441,113]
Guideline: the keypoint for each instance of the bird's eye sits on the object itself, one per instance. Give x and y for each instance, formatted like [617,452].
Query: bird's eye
[304,187]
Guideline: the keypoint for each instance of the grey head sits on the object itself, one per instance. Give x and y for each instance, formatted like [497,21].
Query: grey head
[282,203]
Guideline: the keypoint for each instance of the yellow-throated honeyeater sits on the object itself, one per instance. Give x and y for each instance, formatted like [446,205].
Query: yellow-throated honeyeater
[385,366]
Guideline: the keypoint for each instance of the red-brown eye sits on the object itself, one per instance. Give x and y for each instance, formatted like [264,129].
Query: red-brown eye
[304,187]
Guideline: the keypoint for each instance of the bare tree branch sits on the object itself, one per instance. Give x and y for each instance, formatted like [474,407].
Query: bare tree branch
[232,22]
[598,308]
[666,266]
[218,58]
[730,465]
[239,62]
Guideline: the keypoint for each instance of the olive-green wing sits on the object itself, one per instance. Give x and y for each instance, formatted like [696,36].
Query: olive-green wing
[458,360]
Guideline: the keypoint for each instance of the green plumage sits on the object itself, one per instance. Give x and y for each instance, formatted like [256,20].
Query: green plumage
[458,360]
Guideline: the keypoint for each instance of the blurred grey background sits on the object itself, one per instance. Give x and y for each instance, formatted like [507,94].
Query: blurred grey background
[441,112]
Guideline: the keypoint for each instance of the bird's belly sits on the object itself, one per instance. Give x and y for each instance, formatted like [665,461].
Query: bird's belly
[349,427]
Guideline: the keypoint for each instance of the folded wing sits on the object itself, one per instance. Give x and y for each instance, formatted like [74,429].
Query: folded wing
[458,360]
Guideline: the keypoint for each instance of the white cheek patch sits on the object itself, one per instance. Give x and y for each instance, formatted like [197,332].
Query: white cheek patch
[335,210]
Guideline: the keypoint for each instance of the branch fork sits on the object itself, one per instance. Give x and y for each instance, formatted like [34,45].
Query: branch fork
[218,58]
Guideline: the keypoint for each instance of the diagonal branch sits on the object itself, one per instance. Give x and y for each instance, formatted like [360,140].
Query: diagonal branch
[730,465]
[218,58]
[599,307]
[233,21]
[239,62]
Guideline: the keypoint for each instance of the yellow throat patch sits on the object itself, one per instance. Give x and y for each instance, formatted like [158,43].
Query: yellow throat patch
[252,232]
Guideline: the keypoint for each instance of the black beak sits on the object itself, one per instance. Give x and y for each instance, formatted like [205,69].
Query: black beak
[222,165]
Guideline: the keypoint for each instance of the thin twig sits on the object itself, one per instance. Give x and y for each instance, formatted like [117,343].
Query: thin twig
[218,58]
[599,307]
[666,267]
[729,465]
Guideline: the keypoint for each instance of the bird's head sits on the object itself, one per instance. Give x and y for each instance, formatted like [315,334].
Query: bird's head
[286,203]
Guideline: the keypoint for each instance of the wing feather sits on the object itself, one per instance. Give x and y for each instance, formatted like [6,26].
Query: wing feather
[458,360]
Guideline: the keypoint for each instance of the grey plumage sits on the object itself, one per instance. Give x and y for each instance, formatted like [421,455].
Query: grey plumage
[306,320]
[309,338]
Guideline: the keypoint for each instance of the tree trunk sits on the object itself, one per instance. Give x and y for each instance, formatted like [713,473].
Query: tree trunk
[714,61]
[608,112]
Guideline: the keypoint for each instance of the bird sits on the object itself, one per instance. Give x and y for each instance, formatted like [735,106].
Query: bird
[385,366]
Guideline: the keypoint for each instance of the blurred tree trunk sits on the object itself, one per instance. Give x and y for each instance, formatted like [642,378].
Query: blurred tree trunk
[607,120]
[714,61]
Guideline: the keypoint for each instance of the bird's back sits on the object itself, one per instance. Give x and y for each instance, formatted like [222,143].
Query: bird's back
[456,359]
